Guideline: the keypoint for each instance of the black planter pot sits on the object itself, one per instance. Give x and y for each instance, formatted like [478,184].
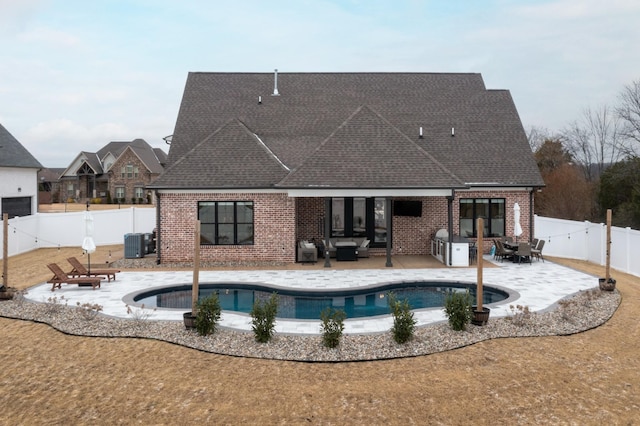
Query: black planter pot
[7,293]
[189,320]
[605,285]
[480,317]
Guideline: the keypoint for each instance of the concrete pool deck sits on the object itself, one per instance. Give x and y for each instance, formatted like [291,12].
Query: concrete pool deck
[539,286]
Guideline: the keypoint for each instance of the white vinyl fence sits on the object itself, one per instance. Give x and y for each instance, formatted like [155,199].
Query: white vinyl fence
[43,230]
[588,241]
[563,238]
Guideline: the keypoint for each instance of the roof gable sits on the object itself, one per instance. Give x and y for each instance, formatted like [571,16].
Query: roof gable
[215,162]
[368,151]
[13,154]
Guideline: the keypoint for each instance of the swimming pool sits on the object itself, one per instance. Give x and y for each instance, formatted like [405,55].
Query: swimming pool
[303,304]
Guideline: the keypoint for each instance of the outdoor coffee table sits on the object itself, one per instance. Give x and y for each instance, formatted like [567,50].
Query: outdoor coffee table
[346,250]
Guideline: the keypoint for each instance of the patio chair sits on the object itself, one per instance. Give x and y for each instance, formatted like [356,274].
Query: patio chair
[80,271]
[523,252]
[307,252]
[537,251]
[60,277]
[502,251]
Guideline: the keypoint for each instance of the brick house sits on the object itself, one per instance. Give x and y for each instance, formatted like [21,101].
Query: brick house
[119,172]
[266,160]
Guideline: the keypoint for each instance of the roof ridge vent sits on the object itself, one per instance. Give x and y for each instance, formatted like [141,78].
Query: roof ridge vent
[275,83]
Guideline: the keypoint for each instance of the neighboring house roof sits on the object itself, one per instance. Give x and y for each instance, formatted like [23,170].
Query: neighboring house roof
[13,154]
[50,174]
[152,158]
[350,130]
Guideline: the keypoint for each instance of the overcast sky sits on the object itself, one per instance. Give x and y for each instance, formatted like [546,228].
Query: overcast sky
[77,74]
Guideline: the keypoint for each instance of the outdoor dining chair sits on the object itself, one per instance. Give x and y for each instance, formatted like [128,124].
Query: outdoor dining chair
[537,251]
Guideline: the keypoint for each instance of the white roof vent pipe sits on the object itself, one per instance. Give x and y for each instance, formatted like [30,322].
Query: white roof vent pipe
[453,131]
[420,133]
[259,100]
[275,84]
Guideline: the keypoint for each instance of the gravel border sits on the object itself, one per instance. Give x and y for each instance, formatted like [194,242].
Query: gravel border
[580,312]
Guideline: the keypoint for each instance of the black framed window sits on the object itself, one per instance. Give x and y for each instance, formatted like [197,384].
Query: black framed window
[492,210]
[359,217]
[226,222]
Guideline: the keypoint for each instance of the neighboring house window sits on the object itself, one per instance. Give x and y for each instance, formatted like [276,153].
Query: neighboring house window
[120,192]
[359,217]
[70,190]
[492,210]
[139,192]
[129,171]
[226,222]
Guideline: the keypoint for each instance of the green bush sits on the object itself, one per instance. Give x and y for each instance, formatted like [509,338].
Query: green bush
[208,315]
[263,318]
[403,322]
[332,326]
[457,307]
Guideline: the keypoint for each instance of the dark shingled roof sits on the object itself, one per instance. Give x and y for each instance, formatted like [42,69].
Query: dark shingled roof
[13,154]
[348,130]
[232,157]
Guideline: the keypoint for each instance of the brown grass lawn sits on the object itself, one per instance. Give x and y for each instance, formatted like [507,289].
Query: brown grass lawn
[52,378]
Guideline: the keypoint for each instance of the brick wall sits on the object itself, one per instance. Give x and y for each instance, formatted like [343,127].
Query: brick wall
[281,221]
[274,229]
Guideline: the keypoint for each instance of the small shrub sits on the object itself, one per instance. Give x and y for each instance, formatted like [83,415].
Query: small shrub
[53,305]
[404,323]
[263,318]
[208,315]
[139,315]
[89,310]
[457,307]
[332,326]
[520,315]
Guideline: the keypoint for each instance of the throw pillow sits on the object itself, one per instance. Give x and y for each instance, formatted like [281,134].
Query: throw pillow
[365,243]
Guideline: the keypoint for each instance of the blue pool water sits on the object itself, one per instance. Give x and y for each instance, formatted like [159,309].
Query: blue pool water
[301,304]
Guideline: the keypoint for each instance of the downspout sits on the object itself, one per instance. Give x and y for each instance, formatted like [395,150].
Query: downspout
[450,225]
[158,245]
[327,230]
[531,215]
[388,208]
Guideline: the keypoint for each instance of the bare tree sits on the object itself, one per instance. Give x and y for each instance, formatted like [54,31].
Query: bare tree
[595,141]
[537,137]
[629,112]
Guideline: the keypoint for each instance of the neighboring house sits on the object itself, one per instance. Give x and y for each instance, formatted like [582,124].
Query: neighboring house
[49,185]
[118,173]
[267,160]
[18,177]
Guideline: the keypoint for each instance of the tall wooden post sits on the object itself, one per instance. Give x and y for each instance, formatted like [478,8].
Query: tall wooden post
[607,271]
[479,243]
[196,270]
[5,251]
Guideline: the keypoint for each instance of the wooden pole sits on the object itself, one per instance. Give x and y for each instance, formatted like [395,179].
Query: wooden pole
[607,271]
[196,270]
[479,244]
[5,251]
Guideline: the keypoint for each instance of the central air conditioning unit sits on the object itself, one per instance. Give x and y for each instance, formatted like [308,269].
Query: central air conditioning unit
[134,246]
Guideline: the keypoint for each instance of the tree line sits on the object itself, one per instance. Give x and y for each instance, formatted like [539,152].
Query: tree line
[593,164]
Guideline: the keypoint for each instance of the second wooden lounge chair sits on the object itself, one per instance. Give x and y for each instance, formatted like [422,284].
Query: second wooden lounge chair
[60,277]
[80,271]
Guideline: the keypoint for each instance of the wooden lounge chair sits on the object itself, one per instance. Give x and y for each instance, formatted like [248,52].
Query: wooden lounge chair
[60,277]
[80,271]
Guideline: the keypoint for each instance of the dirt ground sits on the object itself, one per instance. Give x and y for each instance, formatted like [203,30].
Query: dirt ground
[52,378]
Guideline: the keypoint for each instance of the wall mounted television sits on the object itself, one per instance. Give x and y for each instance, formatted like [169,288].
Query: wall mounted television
[407,208]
